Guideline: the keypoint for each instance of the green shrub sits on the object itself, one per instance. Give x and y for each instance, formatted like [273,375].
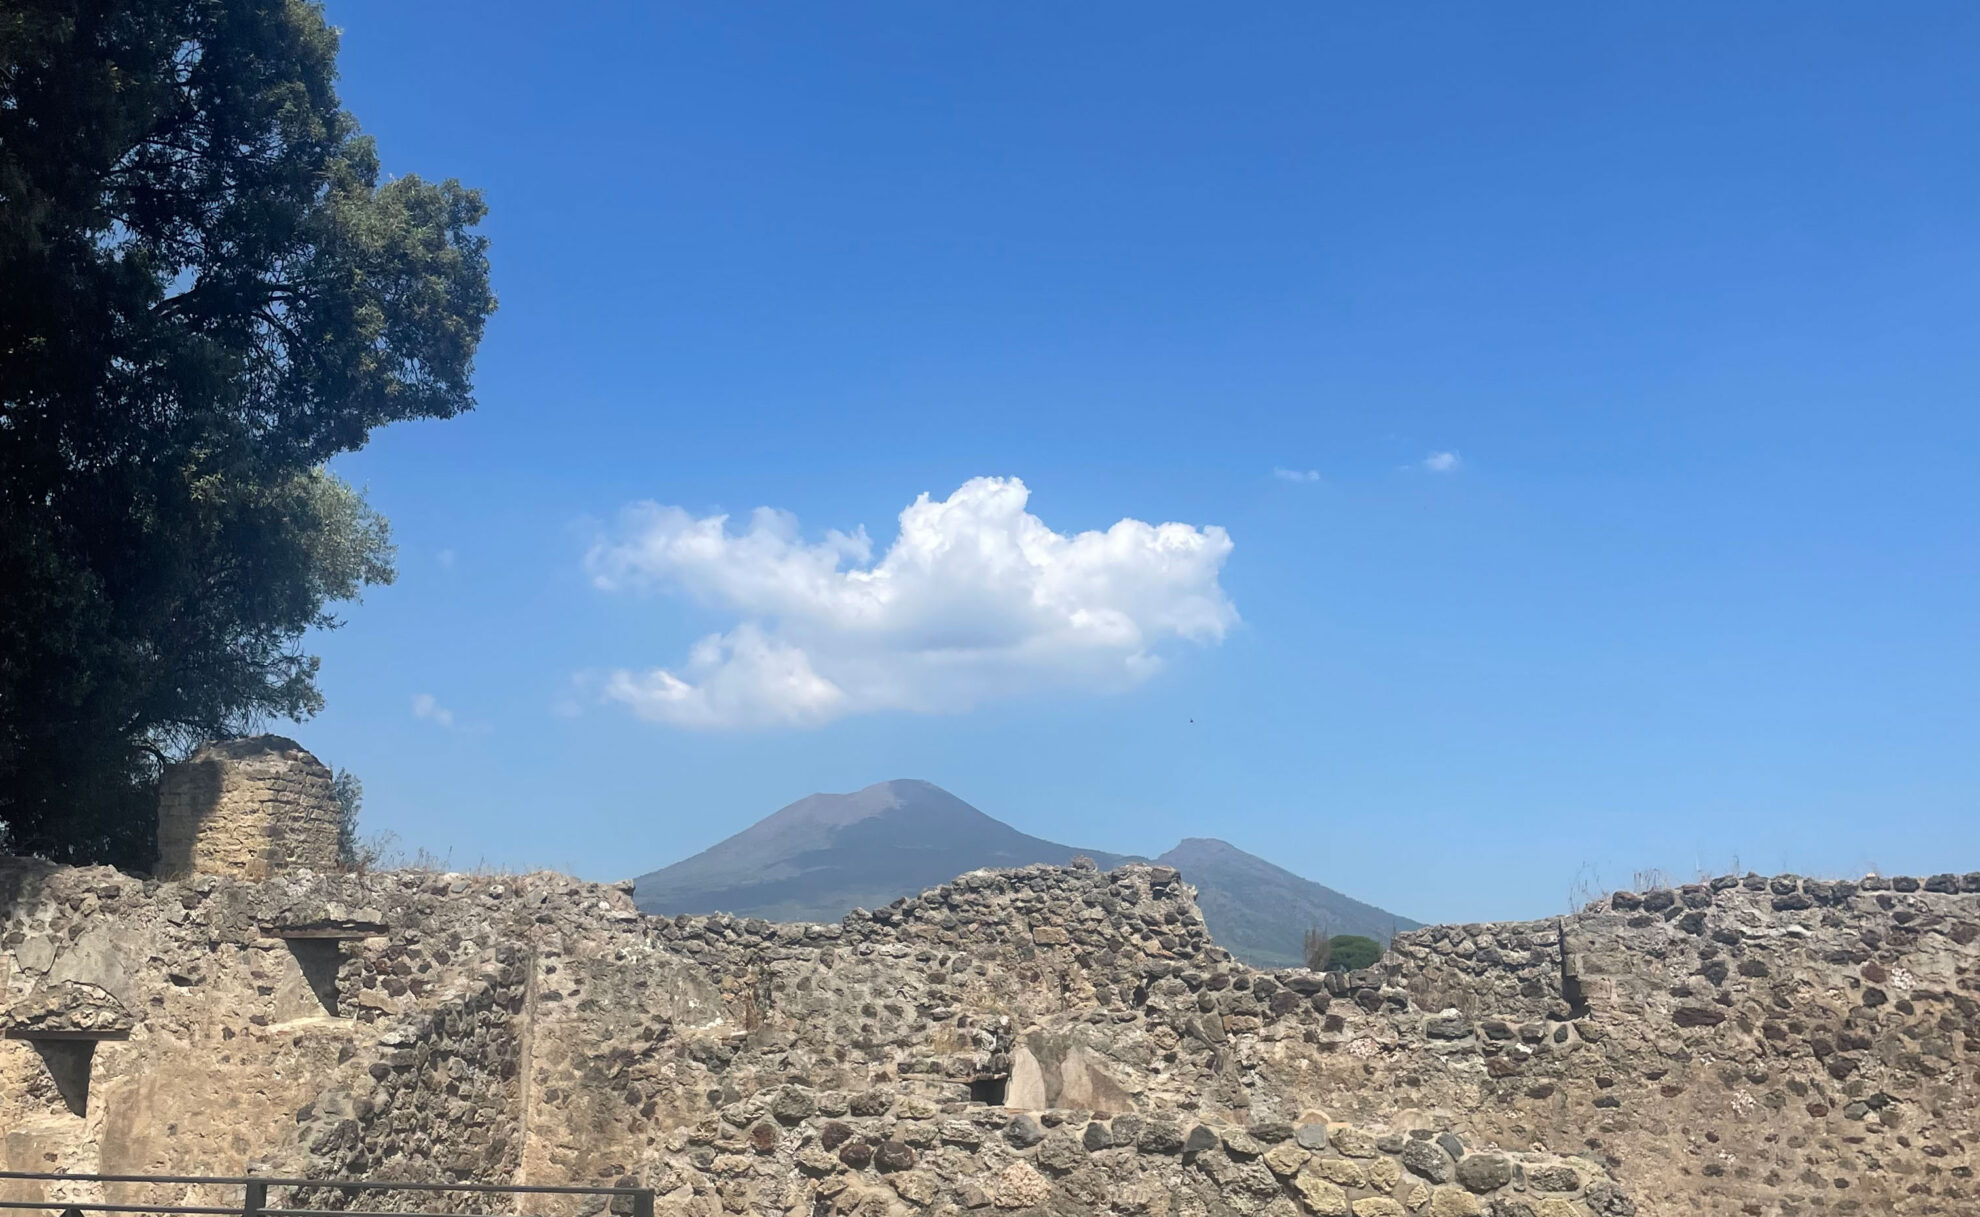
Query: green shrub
[1352,951]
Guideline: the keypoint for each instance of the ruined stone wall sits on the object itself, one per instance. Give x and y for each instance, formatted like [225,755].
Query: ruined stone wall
[1051,1040]
[247,807]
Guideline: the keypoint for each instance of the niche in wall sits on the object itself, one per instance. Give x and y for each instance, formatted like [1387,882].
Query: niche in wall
[68,1056]
[319,954]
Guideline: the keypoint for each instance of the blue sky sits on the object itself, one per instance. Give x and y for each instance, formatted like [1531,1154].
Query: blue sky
[1688,293]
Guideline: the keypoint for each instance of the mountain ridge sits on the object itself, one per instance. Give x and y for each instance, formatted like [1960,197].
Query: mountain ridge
[823,855]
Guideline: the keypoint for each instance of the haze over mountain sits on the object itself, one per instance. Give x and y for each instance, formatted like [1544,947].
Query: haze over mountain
[829,853]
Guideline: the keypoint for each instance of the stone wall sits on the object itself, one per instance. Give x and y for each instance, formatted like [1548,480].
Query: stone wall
[247,807]
[1046,1040]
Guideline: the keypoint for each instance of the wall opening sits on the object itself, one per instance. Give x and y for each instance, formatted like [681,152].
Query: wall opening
[68,1055]
[320,960]
[989,1090]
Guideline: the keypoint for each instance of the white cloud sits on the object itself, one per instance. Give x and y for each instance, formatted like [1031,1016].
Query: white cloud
[976,599]
[1443,462]
[1296,475]
[427,708]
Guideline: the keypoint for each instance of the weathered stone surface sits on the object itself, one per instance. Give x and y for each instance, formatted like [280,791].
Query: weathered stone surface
[532,1026]
[1285,1158]
[1024,1132]
[1321,1195]
[1484,1172]
[247,807]
[1019,1186]
[1428,1159]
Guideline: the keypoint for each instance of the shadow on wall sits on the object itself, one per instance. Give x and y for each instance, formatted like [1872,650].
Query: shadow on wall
[68,1063]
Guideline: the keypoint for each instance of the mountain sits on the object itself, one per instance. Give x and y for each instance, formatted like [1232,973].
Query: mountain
[829,853]
[1260,912]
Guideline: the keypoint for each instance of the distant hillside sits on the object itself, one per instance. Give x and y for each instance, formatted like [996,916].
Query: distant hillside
[1260,912]
[827,854]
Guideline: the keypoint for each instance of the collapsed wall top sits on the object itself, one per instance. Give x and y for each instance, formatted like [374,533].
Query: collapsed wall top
[248,808]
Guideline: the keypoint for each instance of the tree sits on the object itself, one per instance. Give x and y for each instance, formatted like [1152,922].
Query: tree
[1353,951]
[1319,949]
[349,793]
[208,293]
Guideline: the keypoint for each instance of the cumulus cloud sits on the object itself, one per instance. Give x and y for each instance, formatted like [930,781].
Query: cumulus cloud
[975,599]
[1296,475]
[427,708]
[1443,462]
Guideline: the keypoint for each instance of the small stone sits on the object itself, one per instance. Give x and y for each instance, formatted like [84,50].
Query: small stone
[915,1187]
[890,1156]
[1454,1202]
[1322,1197]
[1285,1159]
[1339,1170]
[1024,1132]
[1450,1025]
[1241,1144]
[1553,1178]
[832,1134]
[1160,1137]
[1427,1159]
[1378,1206]
[1484,1172]
[1352,1142]
[1384,1174]
[1061,1152]
[1019,1186]
[1311,1136]
[814,1161]
[1096,1137]
[794,1105]
[856,1154]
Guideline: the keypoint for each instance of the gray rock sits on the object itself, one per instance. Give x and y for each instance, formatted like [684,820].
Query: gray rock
[1160,1137]
[1024,1132]
[1311,1136]
[794,1104]
[1482,1173]
[1450,1025]
[1061,1152]
[1428,1159]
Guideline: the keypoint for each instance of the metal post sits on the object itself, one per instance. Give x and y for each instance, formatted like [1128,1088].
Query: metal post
[256,1200]
[643,1202]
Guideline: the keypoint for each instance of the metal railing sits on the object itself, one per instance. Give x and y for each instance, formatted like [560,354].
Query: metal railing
[254,1195]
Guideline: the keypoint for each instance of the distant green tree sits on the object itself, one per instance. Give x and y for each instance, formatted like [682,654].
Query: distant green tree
[1352,951]
[206,292]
